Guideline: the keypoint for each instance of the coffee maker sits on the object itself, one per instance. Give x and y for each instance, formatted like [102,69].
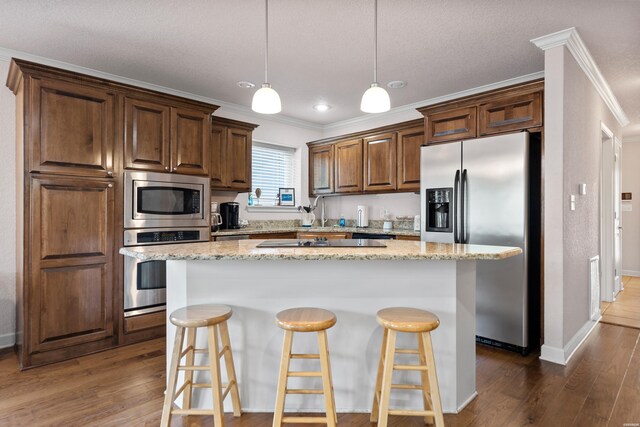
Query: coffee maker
[230,213]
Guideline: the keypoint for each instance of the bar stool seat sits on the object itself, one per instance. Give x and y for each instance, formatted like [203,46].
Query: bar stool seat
[421,323]
[305,319]
[188,319]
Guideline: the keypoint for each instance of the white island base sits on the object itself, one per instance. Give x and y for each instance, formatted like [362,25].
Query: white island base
[354,291]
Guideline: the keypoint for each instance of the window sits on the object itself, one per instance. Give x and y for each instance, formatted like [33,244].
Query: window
[272,168]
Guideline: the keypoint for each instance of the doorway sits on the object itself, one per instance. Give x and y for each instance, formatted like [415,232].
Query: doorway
[610,274]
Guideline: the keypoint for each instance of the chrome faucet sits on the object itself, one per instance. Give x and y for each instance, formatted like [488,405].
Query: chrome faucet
[323,221]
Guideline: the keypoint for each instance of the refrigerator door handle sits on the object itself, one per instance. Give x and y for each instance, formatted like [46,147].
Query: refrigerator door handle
[456,187]
[464,229]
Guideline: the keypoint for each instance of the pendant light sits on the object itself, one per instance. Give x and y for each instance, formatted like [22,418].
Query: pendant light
[266,100]
[375,99]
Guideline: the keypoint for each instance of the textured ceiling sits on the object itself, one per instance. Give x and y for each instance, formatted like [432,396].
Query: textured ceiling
[322,50]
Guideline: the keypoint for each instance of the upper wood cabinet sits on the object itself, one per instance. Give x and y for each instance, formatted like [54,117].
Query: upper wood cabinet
[452,125]
[380,162]
[69,294]
[409,143]
[375,161]
[511,113]
[348,166]
[321,176]
[230,155]
[147,127]
[71,128]
[504,110]
[162,137]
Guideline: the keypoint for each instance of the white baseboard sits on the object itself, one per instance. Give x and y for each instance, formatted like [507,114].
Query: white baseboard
[633,273]
[7,340]
[561,356]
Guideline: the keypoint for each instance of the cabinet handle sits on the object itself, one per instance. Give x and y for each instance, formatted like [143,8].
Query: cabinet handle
[175,169]
[110,185]
[166,168]
[110,173]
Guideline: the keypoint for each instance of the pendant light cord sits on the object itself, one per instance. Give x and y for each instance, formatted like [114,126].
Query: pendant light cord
[375,42]
[266,41]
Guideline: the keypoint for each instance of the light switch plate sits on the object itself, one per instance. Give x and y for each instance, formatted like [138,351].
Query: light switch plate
[583,189]
[573,202]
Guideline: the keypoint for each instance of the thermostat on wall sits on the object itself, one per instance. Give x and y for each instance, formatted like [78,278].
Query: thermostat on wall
[626,196]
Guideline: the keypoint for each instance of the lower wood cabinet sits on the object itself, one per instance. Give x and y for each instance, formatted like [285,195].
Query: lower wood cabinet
[332,235]
[403,237]
[285,235]
[69,291]
[145,321]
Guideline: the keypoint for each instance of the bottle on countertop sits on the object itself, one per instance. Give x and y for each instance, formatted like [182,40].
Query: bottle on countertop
[342,221]
[250,201]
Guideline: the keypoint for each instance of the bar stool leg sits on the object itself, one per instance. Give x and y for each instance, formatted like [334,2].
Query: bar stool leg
[433,379]
[214,363]
[231,370]
[333,397]
[387,377]
[189,360]
[426,387]
[282,379]
[376,394]
[326,379]
[172,381]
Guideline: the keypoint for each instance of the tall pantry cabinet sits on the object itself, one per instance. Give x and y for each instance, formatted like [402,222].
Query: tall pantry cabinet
[70,143]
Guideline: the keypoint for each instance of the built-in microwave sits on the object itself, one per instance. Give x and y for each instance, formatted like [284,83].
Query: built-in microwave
[165,200]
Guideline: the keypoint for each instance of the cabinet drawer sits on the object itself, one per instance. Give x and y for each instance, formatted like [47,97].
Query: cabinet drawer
[327,235]
[511,113]
[451,125]
[285,235]
[145,321]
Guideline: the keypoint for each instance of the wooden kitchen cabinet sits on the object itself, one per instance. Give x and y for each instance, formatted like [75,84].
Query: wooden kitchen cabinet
[69,293]
[230,158]
[348,166]
[380,162]
[283,235]
[510,113]
[162,137]
[452,125]
[332,235]
[71,128]
[321,164]
[408,153]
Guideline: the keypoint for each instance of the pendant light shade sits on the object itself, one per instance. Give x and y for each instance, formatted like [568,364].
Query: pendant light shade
[375,99]
[266,100]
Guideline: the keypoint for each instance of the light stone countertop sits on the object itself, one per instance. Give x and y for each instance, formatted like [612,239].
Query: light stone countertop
[367,230]
[246,250]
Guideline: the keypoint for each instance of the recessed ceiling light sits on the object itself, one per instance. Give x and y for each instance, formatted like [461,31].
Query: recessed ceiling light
[396,84]
[246,85]
[322,107]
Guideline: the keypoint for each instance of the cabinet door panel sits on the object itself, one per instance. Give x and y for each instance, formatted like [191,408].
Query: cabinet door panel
[217,167]
[238,155]
[70,291]
[147,135]
[190,141]
[511,113]
[380,162]
[409,143]
[321,169]
[451,125]
[349,166]
[72,129]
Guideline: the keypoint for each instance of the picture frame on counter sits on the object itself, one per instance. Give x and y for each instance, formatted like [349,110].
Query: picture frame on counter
[287,196]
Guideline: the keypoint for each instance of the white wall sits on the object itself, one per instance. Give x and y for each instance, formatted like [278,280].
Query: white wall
[574,112]
[8,217]
[281,134]
[631,219]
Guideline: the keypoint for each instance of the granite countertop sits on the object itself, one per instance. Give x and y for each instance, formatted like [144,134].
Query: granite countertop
[368,230]
[246,250]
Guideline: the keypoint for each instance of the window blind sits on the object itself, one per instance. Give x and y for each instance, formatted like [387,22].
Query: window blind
[273,167]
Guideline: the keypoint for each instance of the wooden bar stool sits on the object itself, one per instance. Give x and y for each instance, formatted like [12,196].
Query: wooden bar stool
[214,317]
[420,322]
[305,320]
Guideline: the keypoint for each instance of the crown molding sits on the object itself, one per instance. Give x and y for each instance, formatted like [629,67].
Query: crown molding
[571,39]
[415,105]
[7,54]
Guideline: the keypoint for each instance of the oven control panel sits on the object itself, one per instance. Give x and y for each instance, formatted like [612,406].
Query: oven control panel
[163,236]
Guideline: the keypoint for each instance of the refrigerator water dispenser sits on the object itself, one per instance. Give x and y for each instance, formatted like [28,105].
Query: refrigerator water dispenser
[439,209]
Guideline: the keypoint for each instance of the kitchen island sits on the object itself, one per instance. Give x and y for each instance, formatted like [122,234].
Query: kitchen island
[354,283]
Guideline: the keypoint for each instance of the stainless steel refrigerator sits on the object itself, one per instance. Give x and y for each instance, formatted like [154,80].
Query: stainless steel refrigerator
[486,191]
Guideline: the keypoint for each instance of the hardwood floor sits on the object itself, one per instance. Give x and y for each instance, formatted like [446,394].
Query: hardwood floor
[124,387]
[625,310]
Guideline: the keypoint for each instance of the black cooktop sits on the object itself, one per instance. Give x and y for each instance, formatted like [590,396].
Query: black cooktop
[322,242]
